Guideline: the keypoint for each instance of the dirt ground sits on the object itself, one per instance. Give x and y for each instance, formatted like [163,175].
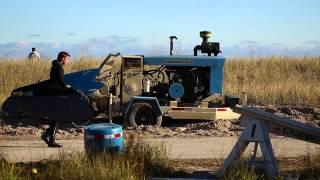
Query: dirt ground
[26,129]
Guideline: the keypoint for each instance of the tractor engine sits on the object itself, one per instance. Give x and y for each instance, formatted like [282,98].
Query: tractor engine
[188,85]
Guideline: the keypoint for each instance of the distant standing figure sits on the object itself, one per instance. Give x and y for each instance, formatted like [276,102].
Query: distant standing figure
[56,82]
[34,55]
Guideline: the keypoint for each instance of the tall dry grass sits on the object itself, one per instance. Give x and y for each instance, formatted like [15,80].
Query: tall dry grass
[272,80]
[275,80]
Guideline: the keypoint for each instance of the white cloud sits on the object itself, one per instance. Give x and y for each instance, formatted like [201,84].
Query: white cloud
[71,34]
[34,35]
[101,46]
[252,48]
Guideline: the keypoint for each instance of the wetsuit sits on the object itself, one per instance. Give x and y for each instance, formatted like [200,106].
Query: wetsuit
[56,76]
[57,84]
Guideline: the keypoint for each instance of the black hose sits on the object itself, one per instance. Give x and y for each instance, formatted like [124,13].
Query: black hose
[107,59]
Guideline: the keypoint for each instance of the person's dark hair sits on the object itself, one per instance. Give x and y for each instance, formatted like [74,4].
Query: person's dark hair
[33,49]
[62,54]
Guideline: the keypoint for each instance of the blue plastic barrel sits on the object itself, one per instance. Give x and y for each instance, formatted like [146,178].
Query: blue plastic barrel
[104,137]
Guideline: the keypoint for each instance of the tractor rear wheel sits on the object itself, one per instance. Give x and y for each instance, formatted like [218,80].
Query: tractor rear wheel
[142,113]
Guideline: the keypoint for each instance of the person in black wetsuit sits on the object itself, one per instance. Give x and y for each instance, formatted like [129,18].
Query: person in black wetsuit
[57,84]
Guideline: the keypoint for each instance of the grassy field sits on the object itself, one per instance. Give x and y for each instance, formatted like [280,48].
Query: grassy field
[275,80]
[269,80]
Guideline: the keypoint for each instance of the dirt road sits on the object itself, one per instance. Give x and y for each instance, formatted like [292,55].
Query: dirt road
[178,148]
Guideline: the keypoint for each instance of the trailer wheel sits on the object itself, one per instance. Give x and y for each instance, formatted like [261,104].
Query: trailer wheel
[143,113]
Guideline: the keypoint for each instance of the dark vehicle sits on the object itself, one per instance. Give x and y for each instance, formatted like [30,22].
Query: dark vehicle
[42,102]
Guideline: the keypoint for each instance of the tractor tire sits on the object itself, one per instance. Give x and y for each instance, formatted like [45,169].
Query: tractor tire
[142,113]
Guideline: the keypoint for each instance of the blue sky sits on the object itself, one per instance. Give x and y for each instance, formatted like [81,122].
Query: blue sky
[97,27]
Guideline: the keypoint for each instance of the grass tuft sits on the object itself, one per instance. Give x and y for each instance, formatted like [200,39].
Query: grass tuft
[138,161]
[243,172]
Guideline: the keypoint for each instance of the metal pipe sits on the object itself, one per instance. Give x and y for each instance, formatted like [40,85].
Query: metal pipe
[171,44]
[110,108]
[244,98]
[196,49]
